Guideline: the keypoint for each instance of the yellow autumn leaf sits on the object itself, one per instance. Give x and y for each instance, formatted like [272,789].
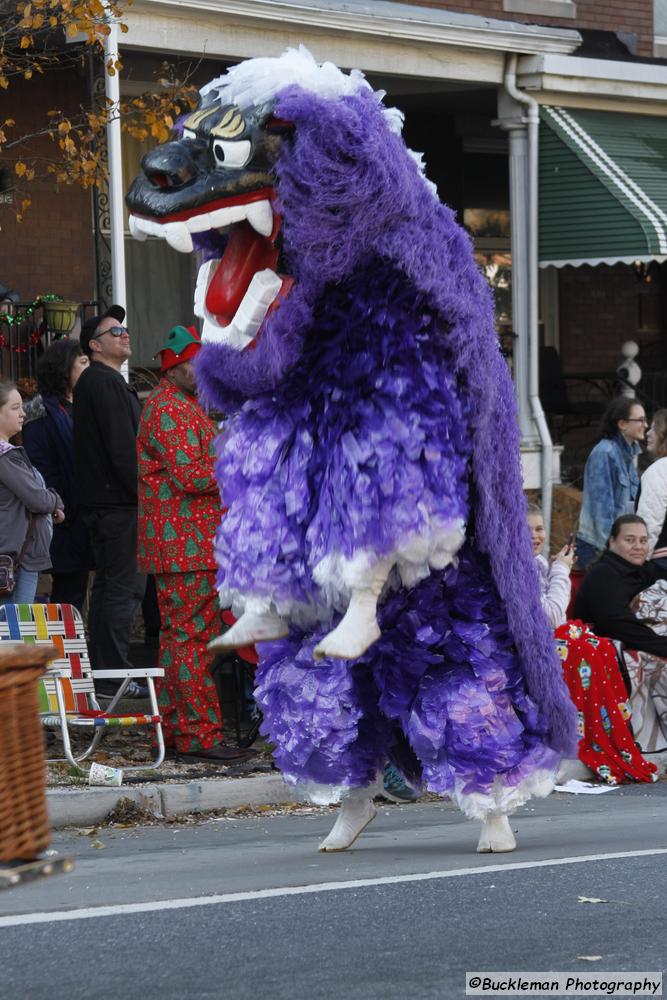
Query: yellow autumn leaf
[20,168]
[25,42]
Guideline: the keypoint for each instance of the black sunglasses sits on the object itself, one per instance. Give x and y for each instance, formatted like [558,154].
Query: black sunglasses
[115,331]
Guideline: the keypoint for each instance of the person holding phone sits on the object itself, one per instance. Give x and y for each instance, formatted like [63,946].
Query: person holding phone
[555,583]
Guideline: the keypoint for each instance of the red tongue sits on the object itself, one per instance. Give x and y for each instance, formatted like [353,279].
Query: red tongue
[246,253]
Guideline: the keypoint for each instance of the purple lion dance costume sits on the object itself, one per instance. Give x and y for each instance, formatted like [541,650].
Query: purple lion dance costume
[374,541]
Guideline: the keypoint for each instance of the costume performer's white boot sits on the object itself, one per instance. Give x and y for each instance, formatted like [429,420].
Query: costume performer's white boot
[496,836]
[356,812]
[358,628]
[256,624]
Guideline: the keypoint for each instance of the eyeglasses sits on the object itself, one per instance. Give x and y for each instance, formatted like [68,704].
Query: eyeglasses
[115,331]
[636,420]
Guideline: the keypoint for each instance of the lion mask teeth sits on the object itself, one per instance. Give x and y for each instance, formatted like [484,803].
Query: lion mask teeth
[259,215]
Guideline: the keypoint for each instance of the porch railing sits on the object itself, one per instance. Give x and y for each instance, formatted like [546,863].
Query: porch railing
[25,333]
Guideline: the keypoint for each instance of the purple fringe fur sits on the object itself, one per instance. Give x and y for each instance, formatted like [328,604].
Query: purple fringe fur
[444,677]
[350,193]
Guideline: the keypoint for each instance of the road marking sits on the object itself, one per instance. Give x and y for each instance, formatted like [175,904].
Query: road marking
[121,909]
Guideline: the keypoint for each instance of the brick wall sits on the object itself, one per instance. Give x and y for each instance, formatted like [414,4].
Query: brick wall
[630,17]
[600,307]
[52,249]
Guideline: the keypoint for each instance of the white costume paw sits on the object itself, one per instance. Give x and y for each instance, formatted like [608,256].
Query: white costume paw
[251,627]
[496,836]
[356,631]
[356,812]
[358,628]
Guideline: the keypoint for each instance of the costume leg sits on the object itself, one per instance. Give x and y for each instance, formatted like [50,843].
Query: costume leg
[187,695]
[356,812]
[496,836]
[330,738]
[358,629]
[448,674]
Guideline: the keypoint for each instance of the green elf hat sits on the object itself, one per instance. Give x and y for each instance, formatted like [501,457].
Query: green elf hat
[181,345]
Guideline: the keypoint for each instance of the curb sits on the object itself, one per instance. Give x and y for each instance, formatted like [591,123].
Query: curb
[89,806]
[86,807]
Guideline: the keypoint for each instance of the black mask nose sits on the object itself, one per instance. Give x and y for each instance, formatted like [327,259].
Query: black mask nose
[171,166]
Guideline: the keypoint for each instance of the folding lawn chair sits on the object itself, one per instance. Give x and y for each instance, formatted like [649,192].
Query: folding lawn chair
[67,691]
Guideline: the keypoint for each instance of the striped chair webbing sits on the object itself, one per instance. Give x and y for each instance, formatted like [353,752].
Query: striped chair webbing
[60,625]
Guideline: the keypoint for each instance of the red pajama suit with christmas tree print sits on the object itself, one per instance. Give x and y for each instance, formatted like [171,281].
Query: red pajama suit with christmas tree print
[179,511]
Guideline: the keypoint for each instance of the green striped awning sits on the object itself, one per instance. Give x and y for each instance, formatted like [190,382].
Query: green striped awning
[603,187]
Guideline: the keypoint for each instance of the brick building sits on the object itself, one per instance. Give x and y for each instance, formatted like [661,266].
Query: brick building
[493,91]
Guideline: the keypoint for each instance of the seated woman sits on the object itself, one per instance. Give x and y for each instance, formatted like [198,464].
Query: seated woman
[555,584]
[607,600]
[591,672]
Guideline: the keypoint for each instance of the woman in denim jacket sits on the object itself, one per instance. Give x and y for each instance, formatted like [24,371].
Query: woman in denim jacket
[611,479]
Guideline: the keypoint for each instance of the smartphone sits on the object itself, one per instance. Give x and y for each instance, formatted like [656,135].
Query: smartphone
[570,540]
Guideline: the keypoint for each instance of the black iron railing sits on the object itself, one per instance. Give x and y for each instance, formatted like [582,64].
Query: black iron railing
[27,329]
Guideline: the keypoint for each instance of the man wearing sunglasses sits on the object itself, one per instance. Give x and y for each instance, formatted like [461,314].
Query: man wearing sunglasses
[106,417]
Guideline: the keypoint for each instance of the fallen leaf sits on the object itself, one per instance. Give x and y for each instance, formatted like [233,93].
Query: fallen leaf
[98,845]
[590,899]
[589,958]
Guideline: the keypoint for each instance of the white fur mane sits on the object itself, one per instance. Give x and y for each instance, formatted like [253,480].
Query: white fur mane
[255,82]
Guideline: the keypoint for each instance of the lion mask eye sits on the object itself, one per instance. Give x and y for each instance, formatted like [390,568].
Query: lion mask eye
[231,154]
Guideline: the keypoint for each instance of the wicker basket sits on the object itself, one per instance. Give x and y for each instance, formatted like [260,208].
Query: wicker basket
[24,827]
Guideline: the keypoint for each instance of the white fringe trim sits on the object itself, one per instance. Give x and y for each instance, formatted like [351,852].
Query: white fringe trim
[331,795]
[413,559]
[505,798]
[337,576]
[298,613]
[502,798]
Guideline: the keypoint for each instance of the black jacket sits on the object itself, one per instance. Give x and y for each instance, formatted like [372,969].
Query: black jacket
[106,417]
[604,599]
[49,441]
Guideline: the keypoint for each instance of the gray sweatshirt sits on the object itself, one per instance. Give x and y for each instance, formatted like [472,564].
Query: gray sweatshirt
[23,493]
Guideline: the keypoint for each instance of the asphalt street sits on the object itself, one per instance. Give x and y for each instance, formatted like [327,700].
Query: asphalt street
[247,908]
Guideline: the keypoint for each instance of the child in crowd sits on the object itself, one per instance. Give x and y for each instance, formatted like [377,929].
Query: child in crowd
[555,578]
